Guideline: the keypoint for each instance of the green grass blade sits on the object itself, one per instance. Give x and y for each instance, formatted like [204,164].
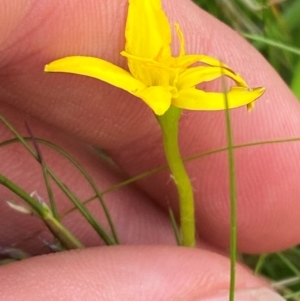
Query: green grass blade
[295,84]
[40,159]
[97,227]
[259,264]
[67,239]
[291,15]
[84,211]
[233,210]
[272,43]
[288,263]
[187,159]
[292,295]
[175,227]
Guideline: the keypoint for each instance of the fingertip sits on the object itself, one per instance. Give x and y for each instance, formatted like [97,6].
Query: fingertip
[122,273]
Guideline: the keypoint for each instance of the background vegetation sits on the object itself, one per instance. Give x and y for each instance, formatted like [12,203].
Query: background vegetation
[272,26]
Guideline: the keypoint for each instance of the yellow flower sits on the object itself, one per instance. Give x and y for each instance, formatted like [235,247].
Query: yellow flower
[155,76]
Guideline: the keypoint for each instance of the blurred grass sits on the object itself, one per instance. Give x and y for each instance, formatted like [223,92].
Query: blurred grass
[266,20]
[273,27]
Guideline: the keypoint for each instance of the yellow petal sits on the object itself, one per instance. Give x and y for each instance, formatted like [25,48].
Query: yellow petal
[193,99]
[212,61]
[181,40]
[147,29]
[196,75]
[189,59]
[99,69]
[157,98]
[185,61]
[250,106]
[147,35]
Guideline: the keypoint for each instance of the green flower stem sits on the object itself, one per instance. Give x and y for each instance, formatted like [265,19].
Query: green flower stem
[169,125]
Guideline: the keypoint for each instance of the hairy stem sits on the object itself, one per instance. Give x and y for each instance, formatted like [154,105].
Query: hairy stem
[169,126]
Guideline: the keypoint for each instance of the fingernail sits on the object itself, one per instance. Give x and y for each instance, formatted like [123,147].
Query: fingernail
[260,294]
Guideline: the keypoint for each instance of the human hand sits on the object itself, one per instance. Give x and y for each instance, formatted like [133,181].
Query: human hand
[72,111]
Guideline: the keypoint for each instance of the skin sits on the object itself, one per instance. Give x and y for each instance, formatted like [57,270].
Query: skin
[74,112]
